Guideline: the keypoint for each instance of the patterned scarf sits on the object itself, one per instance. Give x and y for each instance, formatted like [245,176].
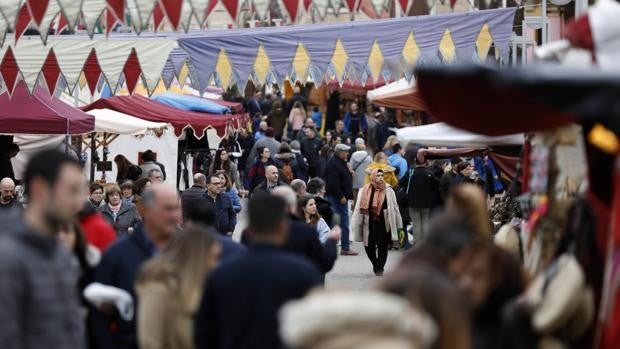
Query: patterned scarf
[373,207]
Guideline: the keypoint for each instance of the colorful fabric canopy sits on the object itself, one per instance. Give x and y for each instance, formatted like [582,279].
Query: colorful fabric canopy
[400,94]
[40,113]
[72,55]
[443,135]
[148,109]
[17,15]
[191,103]
[111,121]
[356,51]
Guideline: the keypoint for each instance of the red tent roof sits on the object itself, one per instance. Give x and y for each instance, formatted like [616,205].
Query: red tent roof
[41,113]
[147,109]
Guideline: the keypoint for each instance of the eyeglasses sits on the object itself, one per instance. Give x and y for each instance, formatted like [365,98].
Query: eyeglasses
[216,183]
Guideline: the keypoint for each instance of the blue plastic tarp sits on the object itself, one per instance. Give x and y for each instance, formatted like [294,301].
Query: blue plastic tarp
[191,103]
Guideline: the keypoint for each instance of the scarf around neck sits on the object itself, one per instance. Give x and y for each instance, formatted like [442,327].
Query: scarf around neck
[373,207]
[115,209]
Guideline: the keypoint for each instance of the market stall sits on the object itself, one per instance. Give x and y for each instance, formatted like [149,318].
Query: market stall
[401,94]
[39,113]
[444,135]
[37,121]
[151,110]
[118,133]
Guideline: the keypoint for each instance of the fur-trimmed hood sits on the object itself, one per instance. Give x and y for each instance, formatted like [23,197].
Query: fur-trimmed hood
[350,319]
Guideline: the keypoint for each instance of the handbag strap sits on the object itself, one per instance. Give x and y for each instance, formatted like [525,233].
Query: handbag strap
[411,171]
[361,162]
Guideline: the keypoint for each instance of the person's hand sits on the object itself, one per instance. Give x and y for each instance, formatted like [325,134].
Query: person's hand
[343,200]
[334,234]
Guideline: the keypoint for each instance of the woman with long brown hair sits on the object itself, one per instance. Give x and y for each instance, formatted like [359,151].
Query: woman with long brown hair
[126,170]
[376,219]
[306,206]
[169,289]
[222,162]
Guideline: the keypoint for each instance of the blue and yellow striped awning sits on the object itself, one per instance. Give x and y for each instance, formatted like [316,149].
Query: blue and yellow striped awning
[360,51]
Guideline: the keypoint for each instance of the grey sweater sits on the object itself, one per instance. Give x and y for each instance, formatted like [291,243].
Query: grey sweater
[39,301]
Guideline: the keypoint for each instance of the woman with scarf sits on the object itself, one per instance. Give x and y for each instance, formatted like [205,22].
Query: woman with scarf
[121,215]
[376,219]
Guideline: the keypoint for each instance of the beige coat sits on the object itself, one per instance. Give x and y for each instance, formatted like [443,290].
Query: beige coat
[359,221]
[161,324]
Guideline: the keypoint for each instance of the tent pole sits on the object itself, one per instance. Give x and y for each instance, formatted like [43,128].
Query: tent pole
[93,152]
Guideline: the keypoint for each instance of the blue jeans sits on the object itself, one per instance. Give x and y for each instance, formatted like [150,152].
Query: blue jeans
[343,211]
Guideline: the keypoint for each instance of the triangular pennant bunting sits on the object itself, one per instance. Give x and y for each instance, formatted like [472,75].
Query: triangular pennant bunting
[31,60]
[51,71]
[446,47]
[91,73]
[71,56]
[112,56]
[132,71]
[71,11]
[91,12]
[152,57]
[9,70]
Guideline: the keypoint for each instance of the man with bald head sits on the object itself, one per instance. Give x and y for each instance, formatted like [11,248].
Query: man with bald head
[122,260]
[194,195]
[272,180]
[7,195]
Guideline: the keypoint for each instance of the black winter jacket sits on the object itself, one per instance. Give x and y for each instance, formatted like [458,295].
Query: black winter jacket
[338,179]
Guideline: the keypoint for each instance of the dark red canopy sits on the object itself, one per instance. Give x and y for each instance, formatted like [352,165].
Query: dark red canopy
[41,113]
[151,110]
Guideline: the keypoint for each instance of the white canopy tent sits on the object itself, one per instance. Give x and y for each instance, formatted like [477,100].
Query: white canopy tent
[443,135]
[111,121]
[396,86]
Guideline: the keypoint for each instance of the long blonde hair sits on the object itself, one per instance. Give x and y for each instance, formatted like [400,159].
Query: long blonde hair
[390,142]
[181,266]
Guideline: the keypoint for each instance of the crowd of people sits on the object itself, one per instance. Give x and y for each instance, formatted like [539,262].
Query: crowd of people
[135,264]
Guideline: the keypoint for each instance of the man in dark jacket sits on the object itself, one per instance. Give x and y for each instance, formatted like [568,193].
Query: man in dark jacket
[121,262]
[242,297]
[39,302]
[265,104]
[253,105]
[194,194]
[201,213]
[421,188]
[272,181]
[225,216]
[339,185]
[310,147]
[303,239]
[450,179]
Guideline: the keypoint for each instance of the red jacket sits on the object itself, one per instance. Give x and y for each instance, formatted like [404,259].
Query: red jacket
[97,231]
